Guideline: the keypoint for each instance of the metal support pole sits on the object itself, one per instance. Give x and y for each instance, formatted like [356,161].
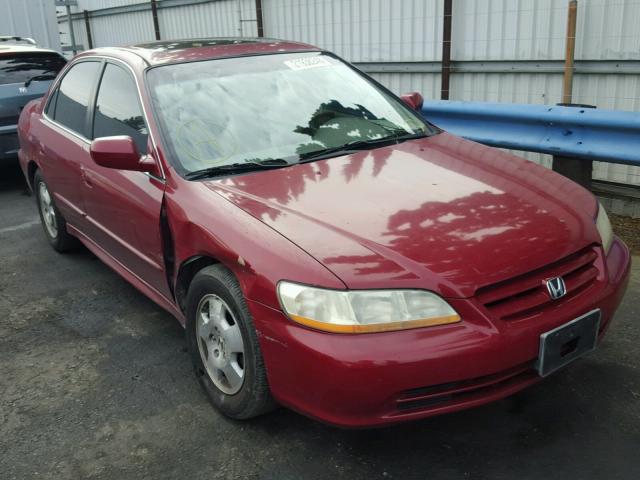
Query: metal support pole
[72,34]
[446,50]
[259,18]
[239,3]
[87,26]
[156,23]
[577,169]
[567,84]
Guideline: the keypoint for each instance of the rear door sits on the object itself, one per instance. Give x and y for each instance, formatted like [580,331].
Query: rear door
[123,207]
[62,138]
[24,76]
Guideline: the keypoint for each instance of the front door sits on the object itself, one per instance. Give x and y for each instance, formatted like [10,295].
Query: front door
[123,207]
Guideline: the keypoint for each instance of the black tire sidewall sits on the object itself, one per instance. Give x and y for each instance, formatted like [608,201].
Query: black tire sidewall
[238,404]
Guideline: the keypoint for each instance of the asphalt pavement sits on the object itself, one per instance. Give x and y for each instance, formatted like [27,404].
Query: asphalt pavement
[95,382]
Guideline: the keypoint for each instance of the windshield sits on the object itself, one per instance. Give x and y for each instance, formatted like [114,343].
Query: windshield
[226,112]
[21,67]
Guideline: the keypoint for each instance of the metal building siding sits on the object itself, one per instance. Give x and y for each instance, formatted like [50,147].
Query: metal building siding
[535,29]
[121,29]
[508,29]
[33,18]
[100,4]
[507,87]
[426,83]
[79,31]
[208,19]
[212,19]
[608,30]
[361,30]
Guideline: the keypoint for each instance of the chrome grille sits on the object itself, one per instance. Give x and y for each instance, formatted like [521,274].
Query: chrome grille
[527,295]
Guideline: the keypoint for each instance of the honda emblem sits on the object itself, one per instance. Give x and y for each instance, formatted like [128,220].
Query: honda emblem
[556,288]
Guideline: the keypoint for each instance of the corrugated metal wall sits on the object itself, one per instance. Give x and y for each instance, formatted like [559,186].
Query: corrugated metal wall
[409,32]
[33,18]
[361,30]
[535,29]
[221,18]
[79,31]
[425,83]
[187,20]
[100,4]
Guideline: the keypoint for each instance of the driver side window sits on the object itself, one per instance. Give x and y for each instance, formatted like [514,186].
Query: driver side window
[118,110]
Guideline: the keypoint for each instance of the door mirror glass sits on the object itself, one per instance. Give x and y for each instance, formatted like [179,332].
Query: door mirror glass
[118,152]
[414,100]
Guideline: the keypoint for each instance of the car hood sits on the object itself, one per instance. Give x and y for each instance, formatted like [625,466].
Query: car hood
[440,213]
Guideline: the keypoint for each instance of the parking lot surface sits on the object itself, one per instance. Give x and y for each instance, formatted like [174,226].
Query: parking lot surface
[95,382]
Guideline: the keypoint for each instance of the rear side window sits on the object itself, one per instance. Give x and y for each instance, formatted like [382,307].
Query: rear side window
[20,67]
[118,110]
[73,96]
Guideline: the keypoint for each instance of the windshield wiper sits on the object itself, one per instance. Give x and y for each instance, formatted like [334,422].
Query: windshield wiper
[38,77]
[358,145]
[237,167]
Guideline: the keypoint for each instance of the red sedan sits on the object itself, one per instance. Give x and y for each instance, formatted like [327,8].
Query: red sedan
[324,246]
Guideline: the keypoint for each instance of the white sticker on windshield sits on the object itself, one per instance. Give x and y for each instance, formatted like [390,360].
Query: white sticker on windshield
[307,62]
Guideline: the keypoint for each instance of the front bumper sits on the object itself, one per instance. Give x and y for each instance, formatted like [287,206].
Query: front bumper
[381,378]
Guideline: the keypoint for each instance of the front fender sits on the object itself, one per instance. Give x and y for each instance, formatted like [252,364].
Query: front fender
[203,223]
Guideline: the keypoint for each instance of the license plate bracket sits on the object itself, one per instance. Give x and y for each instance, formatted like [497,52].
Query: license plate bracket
[566,343]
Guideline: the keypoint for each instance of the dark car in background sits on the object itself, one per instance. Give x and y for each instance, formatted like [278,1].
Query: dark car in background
[26,72]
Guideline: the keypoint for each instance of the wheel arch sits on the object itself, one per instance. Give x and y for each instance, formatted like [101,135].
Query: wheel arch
[187,270]
[32,168]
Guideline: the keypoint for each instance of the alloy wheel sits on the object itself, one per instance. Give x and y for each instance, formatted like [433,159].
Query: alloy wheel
[47,210]
[220,344]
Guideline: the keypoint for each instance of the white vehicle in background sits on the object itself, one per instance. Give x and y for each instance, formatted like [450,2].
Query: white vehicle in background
[13,40]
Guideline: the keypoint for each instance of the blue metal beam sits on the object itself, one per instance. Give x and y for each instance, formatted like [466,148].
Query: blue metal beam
[589,133]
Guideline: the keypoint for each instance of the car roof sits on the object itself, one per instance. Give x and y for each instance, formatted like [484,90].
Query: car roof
[176,51]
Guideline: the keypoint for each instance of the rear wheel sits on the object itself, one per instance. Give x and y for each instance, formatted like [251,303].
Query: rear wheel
[53,223]
[223,345]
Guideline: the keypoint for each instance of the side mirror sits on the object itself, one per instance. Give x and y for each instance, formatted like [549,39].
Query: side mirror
[119,152]
[414,100]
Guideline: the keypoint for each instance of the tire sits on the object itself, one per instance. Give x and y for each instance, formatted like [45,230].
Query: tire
[223,345]
[53,223]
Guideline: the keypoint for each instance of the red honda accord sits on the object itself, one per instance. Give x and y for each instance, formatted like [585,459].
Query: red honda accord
[325,247]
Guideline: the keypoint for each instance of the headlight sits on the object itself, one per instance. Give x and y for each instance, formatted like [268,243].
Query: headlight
[363,311]
[604,228]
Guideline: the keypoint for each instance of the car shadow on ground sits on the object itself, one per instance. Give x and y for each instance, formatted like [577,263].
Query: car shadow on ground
[11,178]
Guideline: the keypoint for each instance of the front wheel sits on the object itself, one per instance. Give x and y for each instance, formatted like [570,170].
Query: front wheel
[223,345]
[53,223]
